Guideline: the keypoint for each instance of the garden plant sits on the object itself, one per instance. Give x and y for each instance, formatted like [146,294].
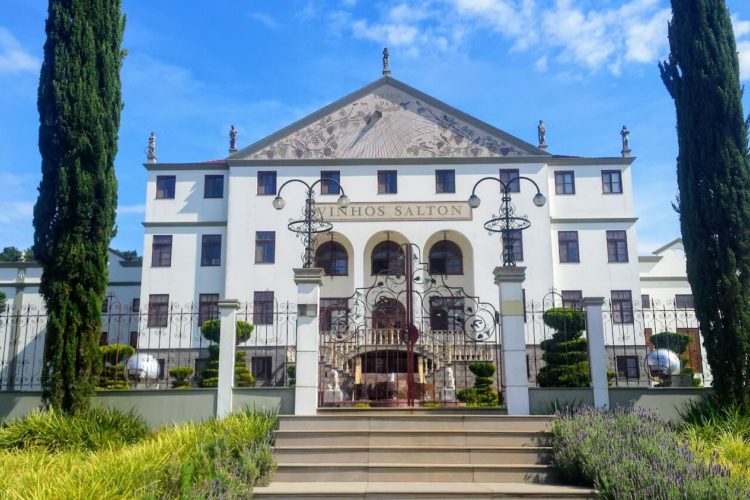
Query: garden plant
[482,394]
[114,375]
[211,330]
[566,353]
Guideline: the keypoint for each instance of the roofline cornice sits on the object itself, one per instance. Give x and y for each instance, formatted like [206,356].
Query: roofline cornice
[595,220]
[156,167]
[501,160]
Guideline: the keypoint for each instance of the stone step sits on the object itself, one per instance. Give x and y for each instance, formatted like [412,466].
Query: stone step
[405,472]
[411,489]
[452,438]
[367,421]
[520,455]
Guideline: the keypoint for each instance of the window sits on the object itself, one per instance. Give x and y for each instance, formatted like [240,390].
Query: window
[387,183]
[622,307]
[332,257]
[266,183]
[611,182]
[567,242]
[106,304]
[161,251]
[646,301]
[208,307]
[572,298]
[135,306]
[158,310]
[684,301]
[103,338]
[211,250]
[162,368]
[328,187]
[261,367]
[445,181]
[265,247]
[447,313]
[627,367]
[565,183]
[516,244]
[213,186]
[388,258]
[133,340]
[165,186]
[509,176]
[617,246]
[332,312]
[446,258]
[263,308]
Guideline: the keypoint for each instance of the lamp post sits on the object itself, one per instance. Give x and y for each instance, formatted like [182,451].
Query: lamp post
[507,222]
[311,223]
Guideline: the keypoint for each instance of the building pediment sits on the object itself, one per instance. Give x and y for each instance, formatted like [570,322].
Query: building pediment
[387,119]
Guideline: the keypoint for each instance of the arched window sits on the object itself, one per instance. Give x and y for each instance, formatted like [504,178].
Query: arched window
[446,258]
[332,257]
[388,257]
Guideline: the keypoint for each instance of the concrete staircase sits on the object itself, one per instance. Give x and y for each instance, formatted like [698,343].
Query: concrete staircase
[414,454]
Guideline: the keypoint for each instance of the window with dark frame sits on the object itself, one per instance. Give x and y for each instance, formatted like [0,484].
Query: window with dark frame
[331,256]
[103,339]
[509,176]
[446,258]
[106,304]
[263,308]
[261,367]
[135,306]
[332,311]
[211,250]
[646,301]
[161,251]
[617,246]
[627,367]
[447,314]
[265,247]
[387,182]
[158,310]
[266,182]
[572,298]
[208,307]
[165,187]
[516,240]
[133,340]
[622,307]
[567,242]
[387,257]
[213,186]
[162,368]
[328,187]
[445,181]
[611,182]
[565,182]
[684,301]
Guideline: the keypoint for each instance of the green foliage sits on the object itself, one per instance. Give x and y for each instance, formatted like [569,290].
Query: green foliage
[11,254]
[634,455]
[181,376]
[211,330]
[79,103]
[3,298]
[482,394]
[213,459]
[566,353]
[114,374]
[677,342]
[210,375]
[713,177]
[291,374]
[89,430]
[116,354]
[362,405]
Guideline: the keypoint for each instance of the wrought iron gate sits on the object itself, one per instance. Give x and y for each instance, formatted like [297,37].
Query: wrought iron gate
[407,340]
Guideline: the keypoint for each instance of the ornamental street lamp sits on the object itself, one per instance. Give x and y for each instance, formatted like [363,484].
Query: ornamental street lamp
[507,223]
[312,222]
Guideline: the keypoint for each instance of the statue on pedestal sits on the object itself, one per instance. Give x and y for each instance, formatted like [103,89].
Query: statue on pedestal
[625,134]
[386,62]
[232,139]
[151,148]
[333,392]
[541,133]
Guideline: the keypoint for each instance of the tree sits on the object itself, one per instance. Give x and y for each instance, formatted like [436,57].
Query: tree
[713,177]
[79,102]
[566,353]
[11,254]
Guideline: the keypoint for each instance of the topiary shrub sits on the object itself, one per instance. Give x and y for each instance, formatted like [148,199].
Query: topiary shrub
[677,342]
[211,330]
[566,353]
[181,376]
[114,374]
[482,394]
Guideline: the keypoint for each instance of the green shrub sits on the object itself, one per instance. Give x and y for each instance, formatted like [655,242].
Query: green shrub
[114,374]
[634,455]
[181,375]
[482,394]
[677,342]
[116,354]
[566,353]
[211,330]
[362,405]
[210,375]
[90,430]
[291,374]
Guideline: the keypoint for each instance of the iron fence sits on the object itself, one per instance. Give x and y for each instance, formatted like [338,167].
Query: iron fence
[141,347]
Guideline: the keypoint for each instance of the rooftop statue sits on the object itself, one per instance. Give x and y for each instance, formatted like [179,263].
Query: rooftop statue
[541,133]
[232,139]
[151,148]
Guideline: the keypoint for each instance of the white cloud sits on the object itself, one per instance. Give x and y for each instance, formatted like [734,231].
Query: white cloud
[131,209]
[13,58]
[12,211]
[263,19]
[741,28]
[743,48]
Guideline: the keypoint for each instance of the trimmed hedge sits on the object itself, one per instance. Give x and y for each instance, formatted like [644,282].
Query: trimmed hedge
[566,353]
[482,394]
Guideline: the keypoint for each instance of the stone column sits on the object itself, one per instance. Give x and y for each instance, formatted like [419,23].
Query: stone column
[597,350]
[510,284]
[308,282]
[227,342]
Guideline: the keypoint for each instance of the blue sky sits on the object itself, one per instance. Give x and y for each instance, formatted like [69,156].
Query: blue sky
[193,68]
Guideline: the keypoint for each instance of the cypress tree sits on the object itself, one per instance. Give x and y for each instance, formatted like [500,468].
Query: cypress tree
[79,102]
[713,176]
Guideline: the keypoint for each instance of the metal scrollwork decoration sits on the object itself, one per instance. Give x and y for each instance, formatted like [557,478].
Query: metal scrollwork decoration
[312,223]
